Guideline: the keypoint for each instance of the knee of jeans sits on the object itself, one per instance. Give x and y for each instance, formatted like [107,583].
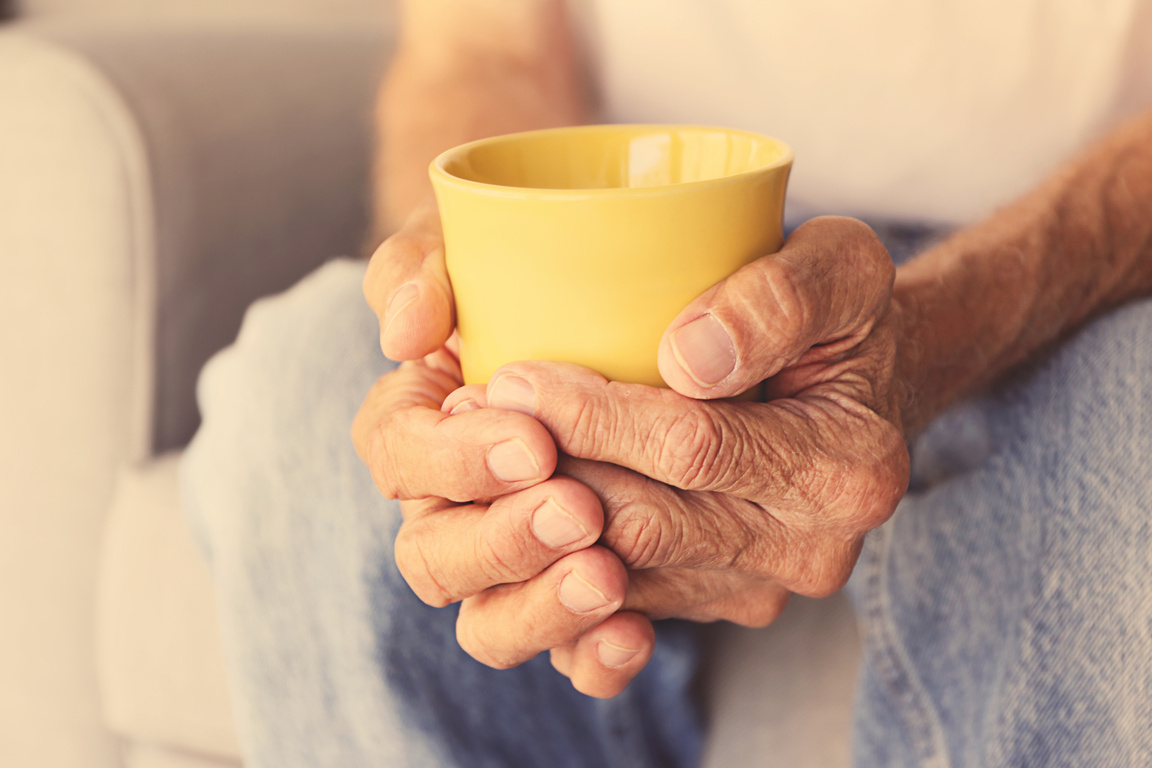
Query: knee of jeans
[1081,424]
[277,405]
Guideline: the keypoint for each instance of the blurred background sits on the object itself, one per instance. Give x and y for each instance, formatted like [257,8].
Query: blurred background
[162,164]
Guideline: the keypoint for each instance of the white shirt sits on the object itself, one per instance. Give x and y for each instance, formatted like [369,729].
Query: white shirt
[933,110]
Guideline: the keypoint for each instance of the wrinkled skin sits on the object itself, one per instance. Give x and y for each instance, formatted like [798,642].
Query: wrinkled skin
[664,502]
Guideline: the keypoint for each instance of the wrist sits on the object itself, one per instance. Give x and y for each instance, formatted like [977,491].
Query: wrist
[963,311]
[906,385]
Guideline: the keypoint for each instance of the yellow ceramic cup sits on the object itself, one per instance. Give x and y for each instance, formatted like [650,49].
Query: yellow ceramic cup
[583,244]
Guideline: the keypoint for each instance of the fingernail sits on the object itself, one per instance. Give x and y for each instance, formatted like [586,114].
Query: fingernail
[464,406]
[555,527]
[612,655]
[405,295]
[704,350]
[512,393]
[511,461]
[579,596]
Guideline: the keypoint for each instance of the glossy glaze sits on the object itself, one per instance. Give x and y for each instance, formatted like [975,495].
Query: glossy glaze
[582,244]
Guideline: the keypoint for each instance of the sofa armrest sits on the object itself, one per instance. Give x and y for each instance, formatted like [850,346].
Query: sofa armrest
[256,152]
[154,179]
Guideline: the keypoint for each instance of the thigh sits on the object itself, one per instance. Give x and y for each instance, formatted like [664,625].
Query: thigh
[333,660]
[1007,607]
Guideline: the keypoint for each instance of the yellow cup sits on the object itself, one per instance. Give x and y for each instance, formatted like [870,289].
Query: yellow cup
[583,244]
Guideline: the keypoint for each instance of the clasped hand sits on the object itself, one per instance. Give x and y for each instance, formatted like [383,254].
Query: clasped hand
[564,511]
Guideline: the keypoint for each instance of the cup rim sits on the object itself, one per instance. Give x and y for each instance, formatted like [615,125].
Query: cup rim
[439,173]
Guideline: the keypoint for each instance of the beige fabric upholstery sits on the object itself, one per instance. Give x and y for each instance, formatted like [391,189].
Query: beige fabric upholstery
[72,196]
[152,184]
[161,670]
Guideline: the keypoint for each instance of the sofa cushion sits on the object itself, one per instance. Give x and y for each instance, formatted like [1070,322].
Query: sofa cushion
[158,652]
[70,163]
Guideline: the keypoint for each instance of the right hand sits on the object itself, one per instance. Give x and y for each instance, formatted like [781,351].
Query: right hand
[522,559]
[508,558]
[407,286]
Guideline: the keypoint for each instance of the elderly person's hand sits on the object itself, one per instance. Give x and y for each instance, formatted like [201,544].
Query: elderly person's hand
[485,520]
[718,509]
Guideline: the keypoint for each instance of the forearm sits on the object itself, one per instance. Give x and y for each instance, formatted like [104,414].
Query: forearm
[465,71]
[997,294]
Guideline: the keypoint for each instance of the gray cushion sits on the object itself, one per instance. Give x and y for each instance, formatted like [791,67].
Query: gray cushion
[257,139]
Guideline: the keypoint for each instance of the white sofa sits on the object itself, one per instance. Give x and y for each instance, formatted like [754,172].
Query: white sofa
[158,172]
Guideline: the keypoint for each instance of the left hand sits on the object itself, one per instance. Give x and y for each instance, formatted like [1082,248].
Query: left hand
[720,509]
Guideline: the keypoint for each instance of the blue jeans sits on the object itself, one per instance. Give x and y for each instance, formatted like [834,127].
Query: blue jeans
[1006,608]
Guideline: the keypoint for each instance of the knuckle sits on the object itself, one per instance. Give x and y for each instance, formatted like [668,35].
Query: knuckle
[851,231]
[873,266]
[882,268]
[824,572]
[878,482]
[745,545]
[859,482]
[788,315]
[757,609]
[640,536]
[382,462]
[392,454]
[689,450]
[414,566]
[592,422]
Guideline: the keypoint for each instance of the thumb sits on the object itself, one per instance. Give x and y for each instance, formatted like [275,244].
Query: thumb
[407,286]
[830,282]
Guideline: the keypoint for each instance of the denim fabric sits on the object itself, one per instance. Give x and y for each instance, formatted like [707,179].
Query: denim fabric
[1005,608]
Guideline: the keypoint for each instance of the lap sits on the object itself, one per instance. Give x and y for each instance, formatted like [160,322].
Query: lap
[334,660]
[997,599]
[1007,606]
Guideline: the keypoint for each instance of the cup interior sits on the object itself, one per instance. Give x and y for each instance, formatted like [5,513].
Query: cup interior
[612,157]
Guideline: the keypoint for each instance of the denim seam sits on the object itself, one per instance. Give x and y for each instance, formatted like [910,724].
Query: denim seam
[1033,586]
[894,666]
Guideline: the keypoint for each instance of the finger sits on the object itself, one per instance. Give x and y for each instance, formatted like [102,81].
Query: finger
[828,284]
[561,659]
[834,466]
[407,285]
[450,554]
[510,624]
[471,397]
[753,608]
[653,527]
[754,450]
[705,596]
[605,660]
[414,450]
